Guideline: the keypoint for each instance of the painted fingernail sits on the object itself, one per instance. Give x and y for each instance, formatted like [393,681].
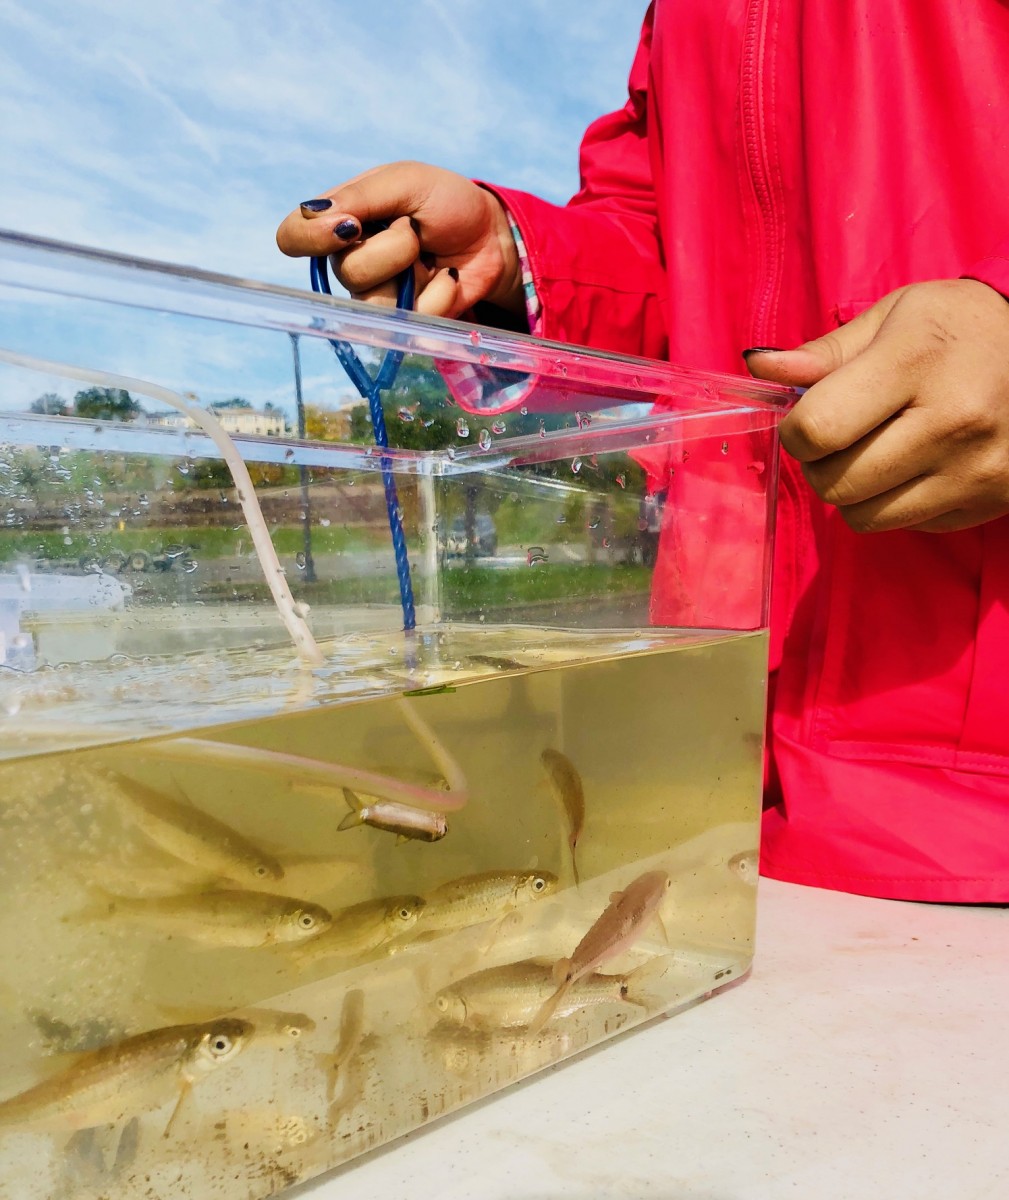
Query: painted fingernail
[314,206]
[454,273]
[348,230]
[762,350]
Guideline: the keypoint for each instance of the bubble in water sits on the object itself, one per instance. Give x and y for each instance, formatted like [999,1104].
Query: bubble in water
[498,427]
[428,423]
[606,543]
[182,468]
[190,565]
[289,454]
[543,429]
[325,522]
[451,451]
[462,427]
[536,554]
[474,337]
[561,519]
[142,500]
[583,419]
[300,560]
[404,414]
[684,456]
[524,411]
[485,439]
[725,447]
[484,359]
[68,541]
[576,465]
[594,523]
[621,480]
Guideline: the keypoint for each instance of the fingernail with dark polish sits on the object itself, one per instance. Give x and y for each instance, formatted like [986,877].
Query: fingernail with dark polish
[348,230]
[454,273]
[762,350]
[314,206]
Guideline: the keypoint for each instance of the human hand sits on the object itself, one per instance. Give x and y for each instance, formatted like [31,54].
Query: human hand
[454,233]
[906,421]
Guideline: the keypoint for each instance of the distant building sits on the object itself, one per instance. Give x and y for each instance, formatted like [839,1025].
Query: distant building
[243,422]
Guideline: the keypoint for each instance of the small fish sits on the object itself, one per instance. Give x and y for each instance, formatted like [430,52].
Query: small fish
[117,1082]
[226,918]
[617,928]
[199,840]
[349,1041]
[362,928]
[487,896]
[566,785]
[409,823]
[746,866]
[511,996]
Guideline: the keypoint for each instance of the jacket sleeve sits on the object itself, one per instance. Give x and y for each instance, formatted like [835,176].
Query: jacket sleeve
[596,262]
[993,270]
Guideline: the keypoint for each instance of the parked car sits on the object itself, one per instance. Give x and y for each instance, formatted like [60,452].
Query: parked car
[484,536]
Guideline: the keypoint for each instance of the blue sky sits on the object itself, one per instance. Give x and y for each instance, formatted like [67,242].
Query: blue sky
[183,130]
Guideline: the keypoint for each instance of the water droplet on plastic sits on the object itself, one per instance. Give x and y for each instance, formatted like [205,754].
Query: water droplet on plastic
[536,554]
[289,454]
[561,519]
[474,337]
[485,439]
[606,543]
[484,359]
[300,560]
[325,522]
[621,480]
[462,427]
[684,456]
[450,452]
[404,414]
[542,429]
[182,468]
[142,500]
[594,523]
[68,541]
[582,420]
[190,565]
[498,427]
[576,465]
[725,447]
[524,411]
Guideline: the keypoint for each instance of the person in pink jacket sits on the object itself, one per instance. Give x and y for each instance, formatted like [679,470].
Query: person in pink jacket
[832,178]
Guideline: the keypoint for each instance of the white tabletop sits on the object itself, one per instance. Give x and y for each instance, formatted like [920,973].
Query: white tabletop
[866,1057]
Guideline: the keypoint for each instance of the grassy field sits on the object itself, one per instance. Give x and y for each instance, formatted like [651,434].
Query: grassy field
[481,588]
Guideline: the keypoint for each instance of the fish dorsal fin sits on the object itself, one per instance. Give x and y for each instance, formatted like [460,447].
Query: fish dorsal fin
[615,896]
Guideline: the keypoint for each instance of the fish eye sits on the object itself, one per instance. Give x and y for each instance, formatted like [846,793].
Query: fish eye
[539,884]
[441,1004]
[294,1032]
[306,921]
[405,914]
[221,1044]
[262,871]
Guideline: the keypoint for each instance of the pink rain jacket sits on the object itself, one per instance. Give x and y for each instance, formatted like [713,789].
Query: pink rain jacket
[781,165]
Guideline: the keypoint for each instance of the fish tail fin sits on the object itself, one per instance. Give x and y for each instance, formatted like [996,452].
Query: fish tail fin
[640,986]
[355,804]
[547,1011]
[573,843]
[104,904]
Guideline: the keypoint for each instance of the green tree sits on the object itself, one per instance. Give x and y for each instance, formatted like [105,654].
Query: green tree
[234,402]
[51,405]
[106,404]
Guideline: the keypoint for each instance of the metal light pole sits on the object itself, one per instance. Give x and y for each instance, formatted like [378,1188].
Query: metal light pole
[306,511]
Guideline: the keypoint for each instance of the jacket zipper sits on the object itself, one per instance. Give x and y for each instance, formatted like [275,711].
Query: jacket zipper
[758,137]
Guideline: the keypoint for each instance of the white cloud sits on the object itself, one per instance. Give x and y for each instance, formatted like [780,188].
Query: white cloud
[184,130]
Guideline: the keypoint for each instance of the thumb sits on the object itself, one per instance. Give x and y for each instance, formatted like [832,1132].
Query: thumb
[812,361]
